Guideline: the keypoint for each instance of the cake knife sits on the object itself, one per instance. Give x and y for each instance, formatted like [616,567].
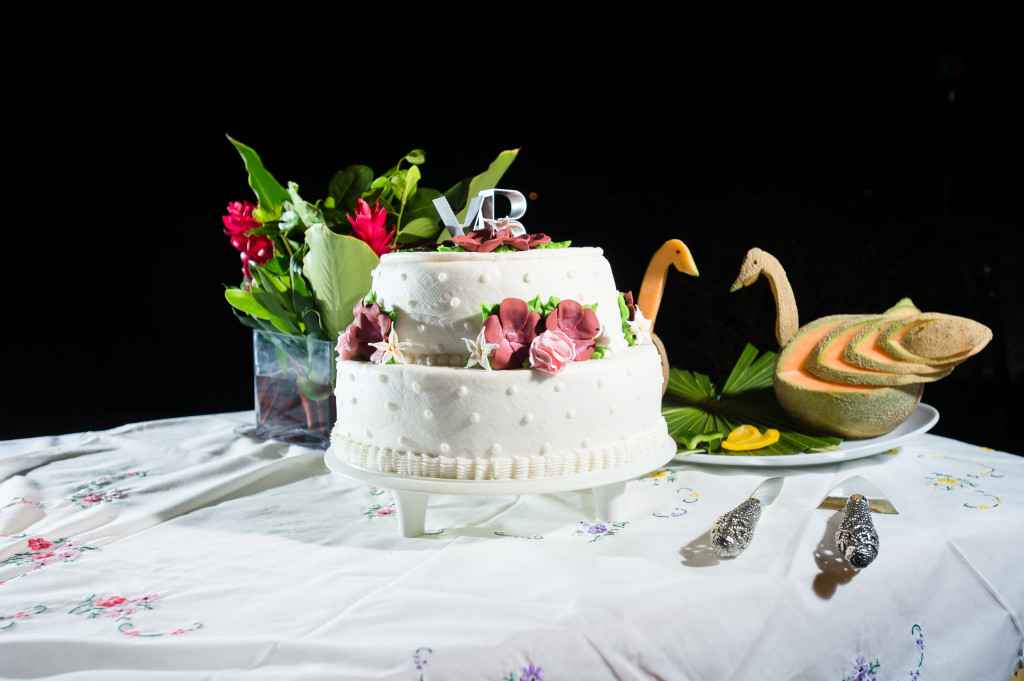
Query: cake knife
[856,537]
[732,532]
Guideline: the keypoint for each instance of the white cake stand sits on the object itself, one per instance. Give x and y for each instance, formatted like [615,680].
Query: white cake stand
[411,493]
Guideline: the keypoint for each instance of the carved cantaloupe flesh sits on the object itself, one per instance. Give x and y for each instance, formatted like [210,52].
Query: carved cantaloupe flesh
[864,352]
[826,360]
[846,410]
[934,339]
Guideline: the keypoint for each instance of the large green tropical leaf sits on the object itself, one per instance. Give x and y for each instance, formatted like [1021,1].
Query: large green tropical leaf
[699,416]
[338,267]
[269,192]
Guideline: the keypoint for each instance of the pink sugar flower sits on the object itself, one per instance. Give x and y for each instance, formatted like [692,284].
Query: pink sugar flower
[369,225]
[551,351]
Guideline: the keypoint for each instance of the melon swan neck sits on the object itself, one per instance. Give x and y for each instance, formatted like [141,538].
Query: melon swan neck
[675,253]
[787,318]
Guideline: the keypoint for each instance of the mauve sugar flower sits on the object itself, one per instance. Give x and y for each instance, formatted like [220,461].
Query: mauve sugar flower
[499,234]
[551,351]
[369,226]
[578,323]
[369,326]
[512,330]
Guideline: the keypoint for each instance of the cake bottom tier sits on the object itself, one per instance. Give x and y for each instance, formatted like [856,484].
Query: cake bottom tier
[472,424]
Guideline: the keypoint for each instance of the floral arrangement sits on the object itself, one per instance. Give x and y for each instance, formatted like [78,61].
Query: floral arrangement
[304,265]
[545,336]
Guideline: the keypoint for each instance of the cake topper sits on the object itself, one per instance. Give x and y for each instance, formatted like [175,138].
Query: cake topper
[481,209]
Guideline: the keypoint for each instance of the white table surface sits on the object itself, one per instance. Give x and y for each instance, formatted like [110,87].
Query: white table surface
[188,549]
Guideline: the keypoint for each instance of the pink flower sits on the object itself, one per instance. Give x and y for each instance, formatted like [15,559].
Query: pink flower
[92,498]
[38,544]
[512,330]
[110,601]
[370,326]
[237,223]
[239,219]
[369,226]
[551,351]
[578,323]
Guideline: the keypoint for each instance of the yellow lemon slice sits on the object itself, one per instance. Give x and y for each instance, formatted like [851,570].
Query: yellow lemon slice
[746,437]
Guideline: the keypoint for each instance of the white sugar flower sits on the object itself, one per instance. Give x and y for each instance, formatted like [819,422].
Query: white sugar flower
[479,350]
[391,348]
[641,328]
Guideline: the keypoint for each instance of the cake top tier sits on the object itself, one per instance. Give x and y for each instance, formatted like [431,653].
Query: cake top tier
[437,295]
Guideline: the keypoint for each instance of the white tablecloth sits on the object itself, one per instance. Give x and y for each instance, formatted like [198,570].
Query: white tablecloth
[187,549]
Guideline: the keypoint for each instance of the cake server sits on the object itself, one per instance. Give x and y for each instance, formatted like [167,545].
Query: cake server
[856,537]
[732,532]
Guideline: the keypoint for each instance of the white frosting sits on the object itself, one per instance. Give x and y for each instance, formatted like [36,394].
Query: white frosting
[432,417]
[437,295]
[476,424]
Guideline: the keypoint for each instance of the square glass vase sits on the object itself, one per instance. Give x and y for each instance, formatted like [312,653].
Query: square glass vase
[294,385]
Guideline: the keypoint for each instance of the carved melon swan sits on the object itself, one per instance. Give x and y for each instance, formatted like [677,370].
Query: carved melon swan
[858,375]
[672,253]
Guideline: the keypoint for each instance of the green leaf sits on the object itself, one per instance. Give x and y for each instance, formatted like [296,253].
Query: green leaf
[420,228]
[269,192]
[693,406]
[421,205]
[348,185]
[243,300]
[308,213]
[416,157]
[338,267]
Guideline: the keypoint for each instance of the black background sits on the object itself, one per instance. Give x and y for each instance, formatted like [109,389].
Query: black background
[872,175]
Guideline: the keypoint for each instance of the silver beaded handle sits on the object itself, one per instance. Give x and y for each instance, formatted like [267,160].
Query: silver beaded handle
[856,537]
[732,532]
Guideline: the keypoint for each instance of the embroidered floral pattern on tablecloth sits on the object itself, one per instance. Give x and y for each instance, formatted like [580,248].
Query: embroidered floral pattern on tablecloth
[969,482]
[8,621]
[595,531]
[379,511]
[659,477]
[689,496]
[866,670]
[17,501]
[42,552]
[531,672]
[95,491]
[121,610]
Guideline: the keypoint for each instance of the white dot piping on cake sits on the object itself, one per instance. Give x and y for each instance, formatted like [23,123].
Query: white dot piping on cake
[570,414]
[442,277]
[474,417]
[526,419]
[462,391]
[428,414]
[416,387]
[456,302]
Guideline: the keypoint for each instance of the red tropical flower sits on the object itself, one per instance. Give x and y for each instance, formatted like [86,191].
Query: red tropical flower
[239,219]
[237,223]
[369,225]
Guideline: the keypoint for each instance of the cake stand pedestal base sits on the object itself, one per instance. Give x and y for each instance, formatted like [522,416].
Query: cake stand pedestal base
[411,494]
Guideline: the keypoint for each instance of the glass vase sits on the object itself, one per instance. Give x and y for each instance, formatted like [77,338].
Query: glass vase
[294,384]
